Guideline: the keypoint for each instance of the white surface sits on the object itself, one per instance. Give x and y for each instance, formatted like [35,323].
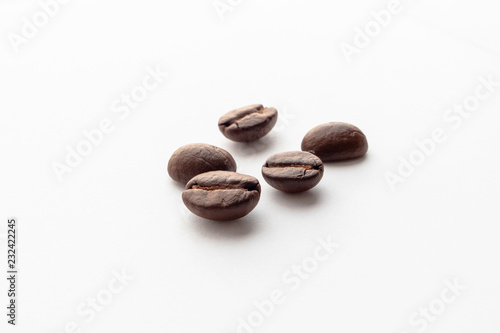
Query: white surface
[119,210]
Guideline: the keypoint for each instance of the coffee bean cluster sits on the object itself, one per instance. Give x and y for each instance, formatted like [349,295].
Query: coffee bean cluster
[215,191]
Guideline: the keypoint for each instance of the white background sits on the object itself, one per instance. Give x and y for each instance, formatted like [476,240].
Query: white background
[119,210]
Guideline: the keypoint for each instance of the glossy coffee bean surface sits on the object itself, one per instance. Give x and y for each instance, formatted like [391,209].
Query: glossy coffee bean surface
[248,123]
[221,195]
[335,142]
[294,171]
[192,159]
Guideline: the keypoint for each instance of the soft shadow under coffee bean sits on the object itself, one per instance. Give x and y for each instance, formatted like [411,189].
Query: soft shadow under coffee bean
[192,159]
[248,123]
[335,142]
[294,171]
[221,195]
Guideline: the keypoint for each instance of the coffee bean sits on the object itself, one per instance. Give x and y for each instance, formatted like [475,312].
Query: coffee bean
[193,159]
[248,123]
[294,171]
[335,142]
[221,195]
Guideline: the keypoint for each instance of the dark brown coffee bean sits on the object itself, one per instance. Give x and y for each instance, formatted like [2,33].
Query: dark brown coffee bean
[221,195]
[335,142]
[193,159]
[249,123]
[294,171]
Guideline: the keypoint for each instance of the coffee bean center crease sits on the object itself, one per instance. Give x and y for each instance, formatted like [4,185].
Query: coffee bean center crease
[214,188]
[241,117]
[307,167]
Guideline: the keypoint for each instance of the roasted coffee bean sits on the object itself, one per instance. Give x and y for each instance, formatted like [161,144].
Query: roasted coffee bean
[193,159]
[249,123]
[294,171]
[221,195]
[335,142]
